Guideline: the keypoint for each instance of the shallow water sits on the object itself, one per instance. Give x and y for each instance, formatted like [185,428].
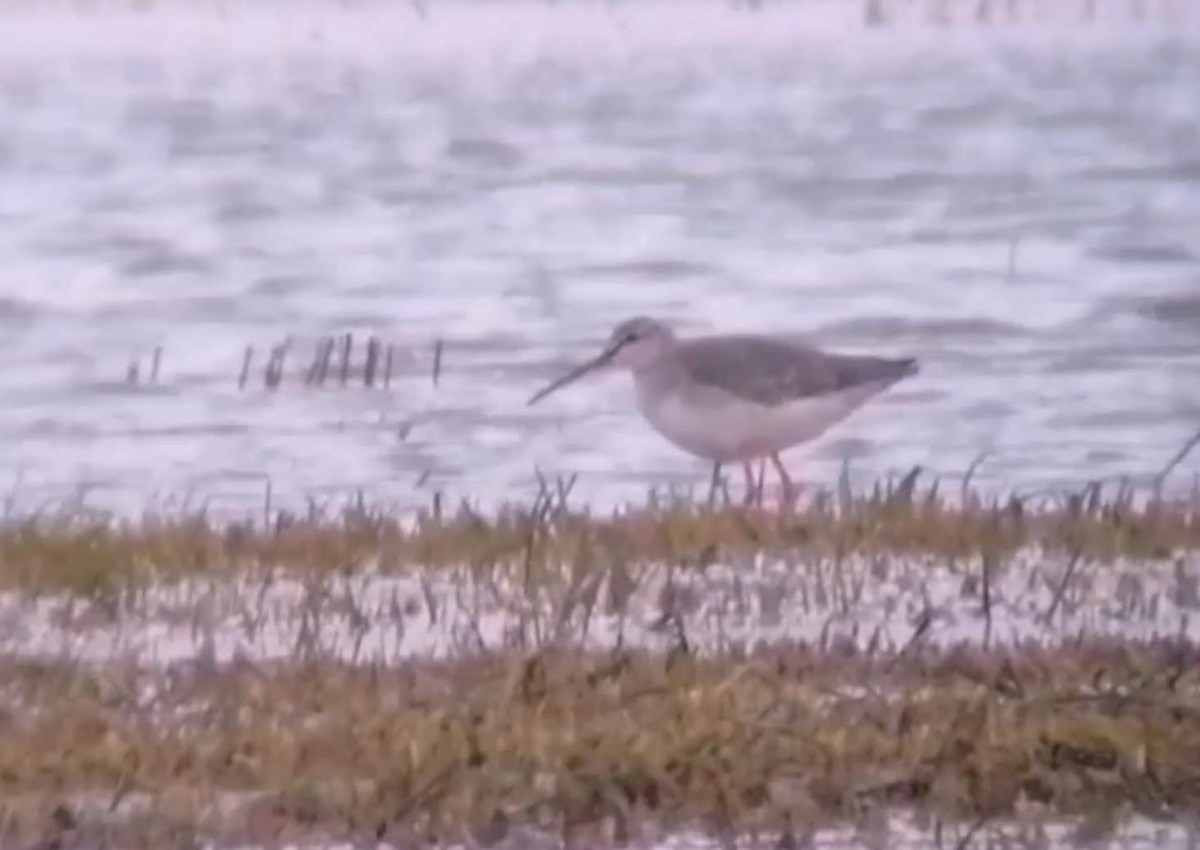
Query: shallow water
[858,604]
[1016,204]
[878,830]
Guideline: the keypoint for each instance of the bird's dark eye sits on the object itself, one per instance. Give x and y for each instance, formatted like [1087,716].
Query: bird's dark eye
[632,336]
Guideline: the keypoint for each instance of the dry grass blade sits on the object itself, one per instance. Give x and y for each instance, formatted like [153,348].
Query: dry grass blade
[1174,462]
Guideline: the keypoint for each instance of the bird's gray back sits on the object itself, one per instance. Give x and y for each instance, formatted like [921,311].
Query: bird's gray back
[775,370]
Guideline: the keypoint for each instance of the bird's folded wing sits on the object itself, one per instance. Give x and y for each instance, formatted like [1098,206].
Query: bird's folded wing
[772,371]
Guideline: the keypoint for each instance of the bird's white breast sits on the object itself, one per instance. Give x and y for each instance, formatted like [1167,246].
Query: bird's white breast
[718,426]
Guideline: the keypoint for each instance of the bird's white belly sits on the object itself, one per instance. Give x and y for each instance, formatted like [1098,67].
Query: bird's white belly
[730,429]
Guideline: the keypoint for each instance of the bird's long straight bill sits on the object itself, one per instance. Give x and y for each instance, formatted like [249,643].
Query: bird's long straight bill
[574,374]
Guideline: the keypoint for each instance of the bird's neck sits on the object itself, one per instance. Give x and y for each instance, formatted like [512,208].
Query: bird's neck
[657,378]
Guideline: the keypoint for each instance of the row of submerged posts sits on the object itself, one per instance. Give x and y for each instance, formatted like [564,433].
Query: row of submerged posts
[333,361]
[945,12]
[336,360]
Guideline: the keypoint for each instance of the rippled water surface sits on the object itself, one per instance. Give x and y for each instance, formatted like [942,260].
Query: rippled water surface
[1017,205]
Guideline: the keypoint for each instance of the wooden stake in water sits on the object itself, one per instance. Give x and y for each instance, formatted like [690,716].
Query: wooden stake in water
[372,361]
[437,361]
[310,377]
[246,360]
[269,367]
[324,357]
[273,374]
[154,364]
[347,345]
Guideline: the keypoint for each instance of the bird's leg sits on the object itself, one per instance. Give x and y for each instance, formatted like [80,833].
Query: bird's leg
[748,471]
[755,484]
[714,484]
[789,489]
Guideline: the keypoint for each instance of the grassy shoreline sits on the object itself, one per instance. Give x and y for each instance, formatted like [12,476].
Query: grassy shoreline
[96,553]
[783,739]
[662,723]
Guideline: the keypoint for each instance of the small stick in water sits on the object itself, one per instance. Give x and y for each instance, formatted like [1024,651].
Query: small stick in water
[155,363]
[131,374]
[347,345]
[437,361]
[270,373]
[283,353]
[314,368]
[387,367]
[326,356]
[372,361]
[246,359]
